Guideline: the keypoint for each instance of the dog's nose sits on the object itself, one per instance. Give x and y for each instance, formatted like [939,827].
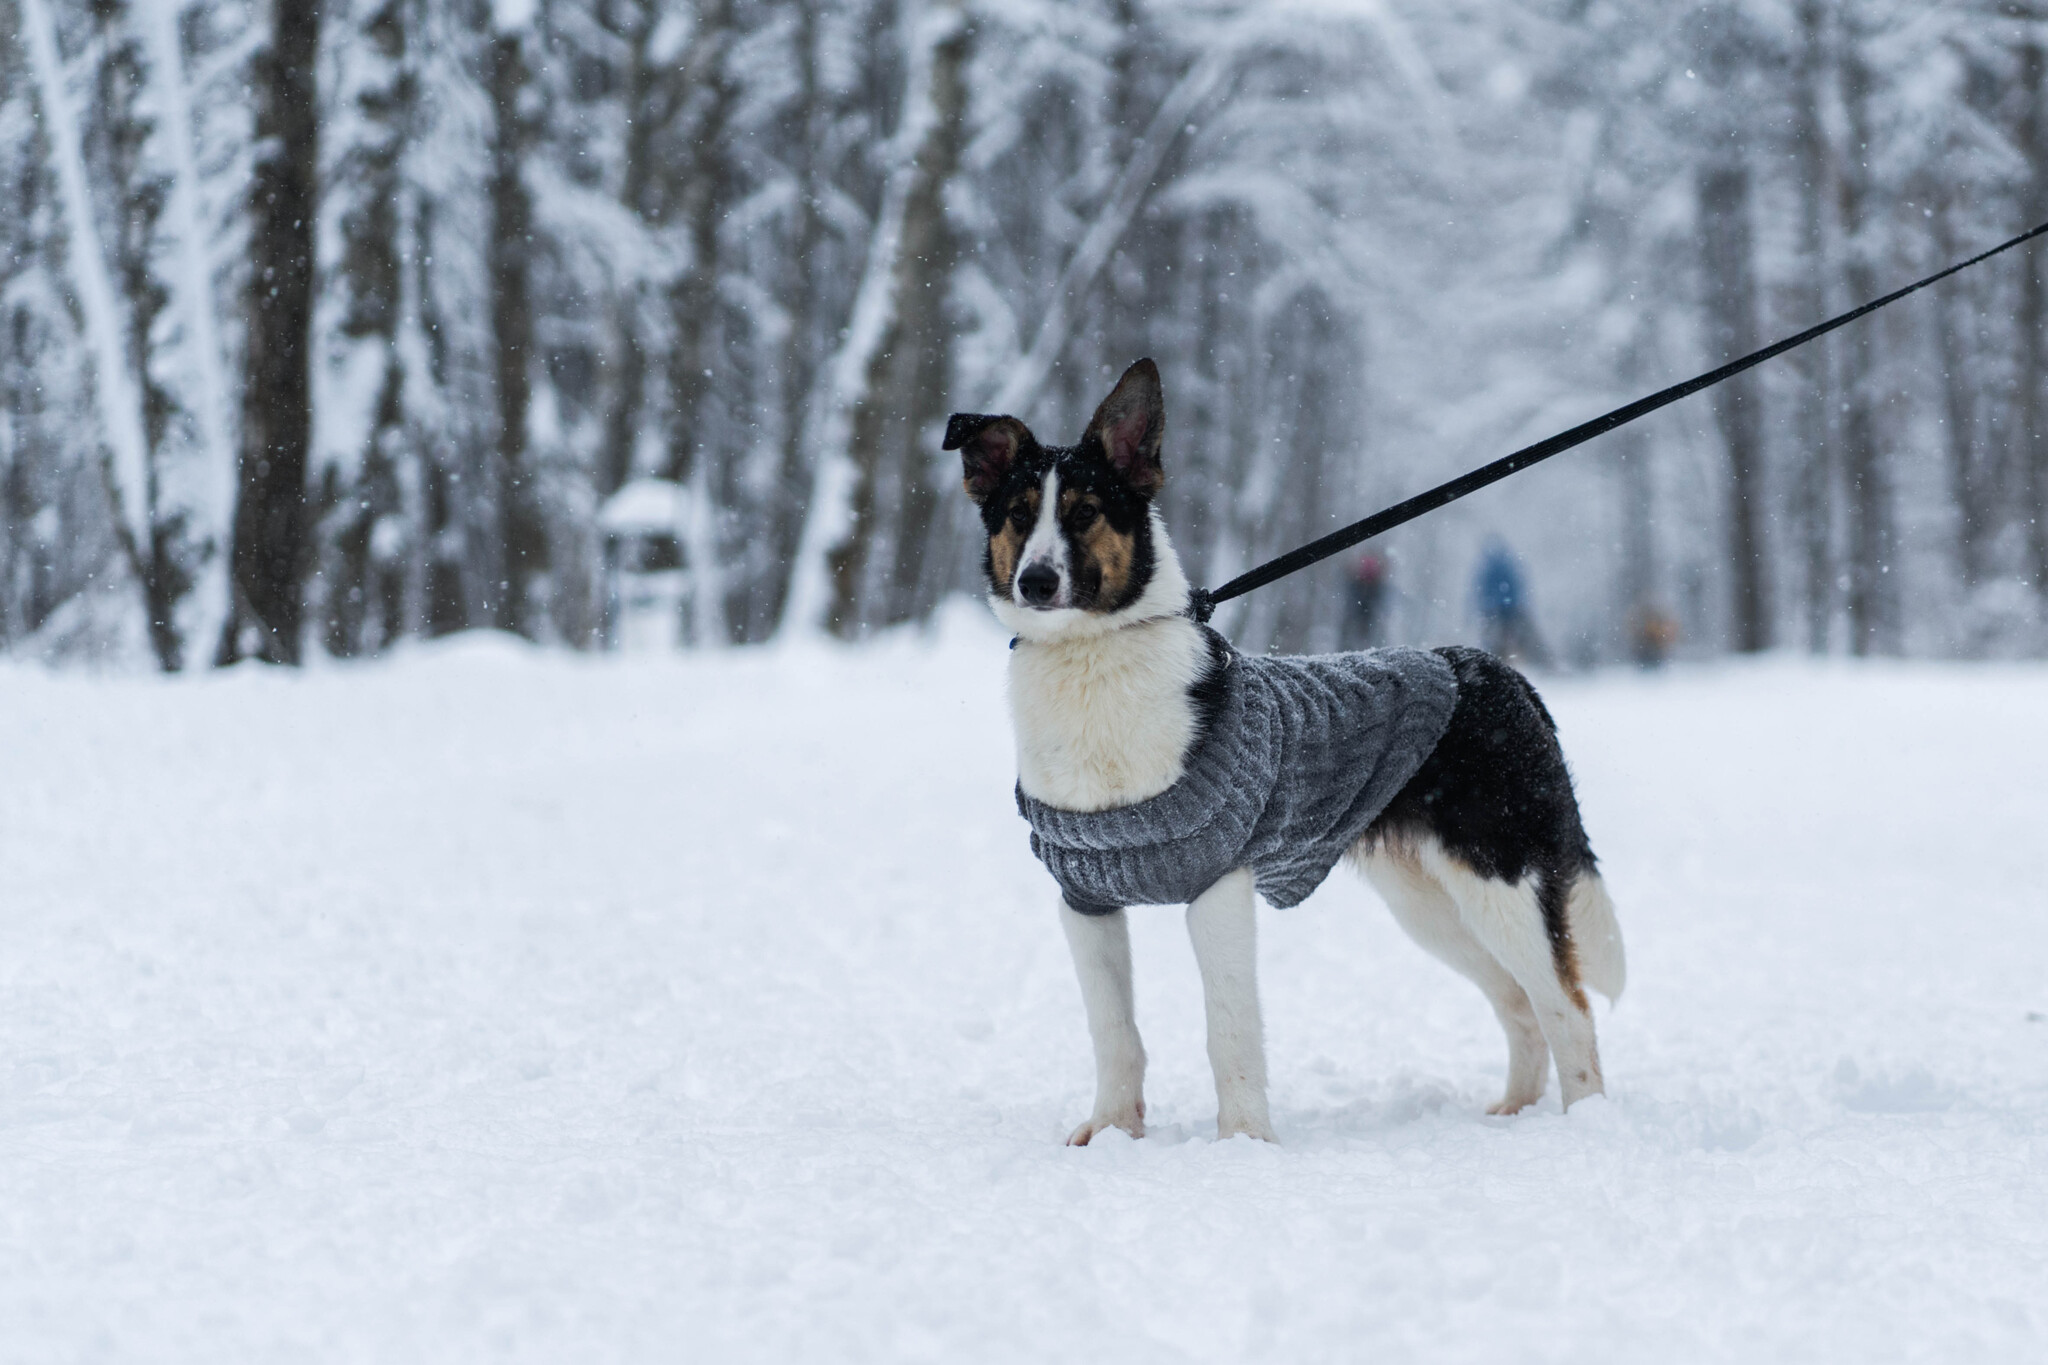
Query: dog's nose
[1038,585]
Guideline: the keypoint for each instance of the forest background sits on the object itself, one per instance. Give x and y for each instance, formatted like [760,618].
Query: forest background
[328,325]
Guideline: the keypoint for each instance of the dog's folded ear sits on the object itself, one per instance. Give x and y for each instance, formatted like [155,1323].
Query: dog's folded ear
[988,446]
[1130,424]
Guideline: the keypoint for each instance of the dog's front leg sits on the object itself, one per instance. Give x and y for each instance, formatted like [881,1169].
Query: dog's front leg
[1102,959]
[1225,932]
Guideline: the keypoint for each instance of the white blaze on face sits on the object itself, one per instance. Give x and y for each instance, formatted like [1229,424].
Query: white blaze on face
[1045,545]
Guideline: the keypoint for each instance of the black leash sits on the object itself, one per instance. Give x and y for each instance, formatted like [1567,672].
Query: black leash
[1204,601]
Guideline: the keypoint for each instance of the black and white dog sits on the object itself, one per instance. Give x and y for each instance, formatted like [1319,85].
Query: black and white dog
[1480,854]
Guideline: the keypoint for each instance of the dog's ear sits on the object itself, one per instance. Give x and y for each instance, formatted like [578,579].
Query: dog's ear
[988,446]
[1130,423]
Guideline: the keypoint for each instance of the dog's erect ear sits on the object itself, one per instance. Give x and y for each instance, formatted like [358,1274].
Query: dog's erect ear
[1130,423]
[988,446]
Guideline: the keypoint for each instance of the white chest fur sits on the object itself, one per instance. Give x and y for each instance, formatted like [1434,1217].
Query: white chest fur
[1105,720]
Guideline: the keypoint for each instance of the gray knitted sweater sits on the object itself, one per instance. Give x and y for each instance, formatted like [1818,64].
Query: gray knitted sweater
[1303,755]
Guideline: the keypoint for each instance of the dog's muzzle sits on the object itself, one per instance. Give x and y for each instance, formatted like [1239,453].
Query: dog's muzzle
[1038,585]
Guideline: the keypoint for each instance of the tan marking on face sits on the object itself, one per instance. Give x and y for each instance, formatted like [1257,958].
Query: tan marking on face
[1104,554]
[1006,546]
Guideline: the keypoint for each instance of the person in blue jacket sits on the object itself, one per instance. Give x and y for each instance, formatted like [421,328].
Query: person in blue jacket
[1503,603]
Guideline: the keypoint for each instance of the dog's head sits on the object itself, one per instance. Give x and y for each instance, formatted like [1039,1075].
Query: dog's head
[1070,528]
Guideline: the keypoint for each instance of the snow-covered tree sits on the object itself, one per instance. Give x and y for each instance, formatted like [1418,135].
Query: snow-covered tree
[376,303]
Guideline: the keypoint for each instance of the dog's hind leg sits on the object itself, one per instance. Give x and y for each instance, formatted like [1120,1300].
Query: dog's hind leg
[1223,926]
[1508,918]
[1425,910]
[1101,945]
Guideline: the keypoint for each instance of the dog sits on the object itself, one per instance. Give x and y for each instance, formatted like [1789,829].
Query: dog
[1147,750]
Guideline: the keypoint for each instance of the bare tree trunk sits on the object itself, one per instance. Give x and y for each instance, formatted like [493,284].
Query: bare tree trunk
[1959,425]
[707,192]
[1128,315]
[917,389]
[271,519]
[371,518]
[1870,520]
[800,349]
[628,364]
[2033,312]
[122,396]
[522,533]
[637,192]
[193,290]
[1817,413]
[1869,496]
[1728,260]
[162,561]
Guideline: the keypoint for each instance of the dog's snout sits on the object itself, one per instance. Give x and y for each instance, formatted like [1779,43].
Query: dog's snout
[1038,585]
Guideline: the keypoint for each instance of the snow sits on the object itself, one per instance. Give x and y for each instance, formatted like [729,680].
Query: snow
[491,1004]
[644,506]
[508,15]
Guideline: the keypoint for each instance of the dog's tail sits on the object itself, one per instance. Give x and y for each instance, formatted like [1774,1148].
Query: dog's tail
[1596,936]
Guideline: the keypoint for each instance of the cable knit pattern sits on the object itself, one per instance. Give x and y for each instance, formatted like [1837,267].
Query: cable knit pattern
[1305,754]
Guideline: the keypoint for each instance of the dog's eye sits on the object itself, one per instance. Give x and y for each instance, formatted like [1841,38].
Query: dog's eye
[1020,517]
[1082,517]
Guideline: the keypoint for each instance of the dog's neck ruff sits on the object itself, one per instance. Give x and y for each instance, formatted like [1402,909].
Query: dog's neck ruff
[1187,612]
[1100,701]
[1303,756]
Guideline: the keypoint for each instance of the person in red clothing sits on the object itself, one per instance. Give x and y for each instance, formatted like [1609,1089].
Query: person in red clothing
[1362,622]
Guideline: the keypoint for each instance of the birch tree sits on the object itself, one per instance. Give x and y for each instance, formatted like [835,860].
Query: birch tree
[900,376]
[382,332]
[56,532]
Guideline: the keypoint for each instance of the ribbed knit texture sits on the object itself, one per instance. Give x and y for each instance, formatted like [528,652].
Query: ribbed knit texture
[1305,754]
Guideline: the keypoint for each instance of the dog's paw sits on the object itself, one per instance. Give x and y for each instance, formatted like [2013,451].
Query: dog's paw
[1132,1121]
[1262,1129]
[1512,1104]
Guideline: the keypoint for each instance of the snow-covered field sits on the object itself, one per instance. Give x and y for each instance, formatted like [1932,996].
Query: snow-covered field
[487,1004]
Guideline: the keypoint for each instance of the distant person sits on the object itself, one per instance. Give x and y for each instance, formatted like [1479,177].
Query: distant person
[1504,608]
[1652,633]
[1368,596]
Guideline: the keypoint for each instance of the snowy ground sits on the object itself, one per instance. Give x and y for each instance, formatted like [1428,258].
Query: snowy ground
[490,1005]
